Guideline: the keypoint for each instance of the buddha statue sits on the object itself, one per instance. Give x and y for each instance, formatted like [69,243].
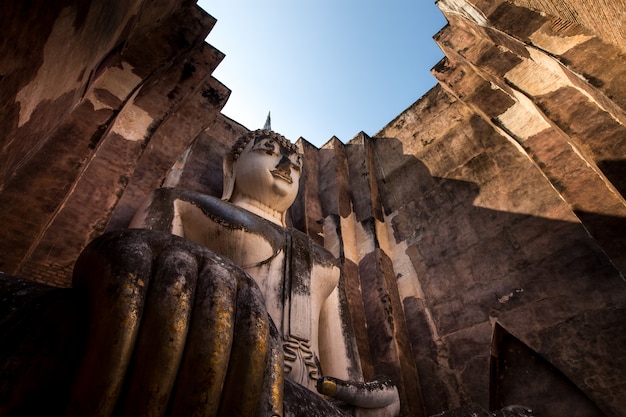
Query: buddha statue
[209,306]
[298,278]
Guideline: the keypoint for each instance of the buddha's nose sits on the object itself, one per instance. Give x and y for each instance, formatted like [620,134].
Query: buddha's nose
[284,164]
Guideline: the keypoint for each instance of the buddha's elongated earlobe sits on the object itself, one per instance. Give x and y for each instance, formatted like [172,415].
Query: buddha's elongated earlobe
[228,166]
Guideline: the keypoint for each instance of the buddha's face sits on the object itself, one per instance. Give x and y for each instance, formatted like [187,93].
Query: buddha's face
[268,173]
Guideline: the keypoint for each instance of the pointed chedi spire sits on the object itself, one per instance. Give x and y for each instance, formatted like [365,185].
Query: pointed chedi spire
[268,122]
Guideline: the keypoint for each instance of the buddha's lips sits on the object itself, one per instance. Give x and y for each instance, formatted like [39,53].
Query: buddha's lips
[280,174]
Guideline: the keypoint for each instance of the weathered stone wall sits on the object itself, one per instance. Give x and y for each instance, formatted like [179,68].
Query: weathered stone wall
[98,101]
[485,238]
[605,18]
[503,197]
[562,101]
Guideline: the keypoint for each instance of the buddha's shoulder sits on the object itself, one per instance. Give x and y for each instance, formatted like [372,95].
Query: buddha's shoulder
[168,195]
[220,212]
[230,216]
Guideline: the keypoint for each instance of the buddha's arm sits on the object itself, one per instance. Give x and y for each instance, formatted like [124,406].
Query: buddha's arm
[341,368]
[335,343]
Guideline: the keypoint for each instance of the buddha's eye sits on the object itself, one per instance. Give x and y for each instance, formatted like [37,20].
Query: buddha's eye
[296,164]
[270,147]
[267,146]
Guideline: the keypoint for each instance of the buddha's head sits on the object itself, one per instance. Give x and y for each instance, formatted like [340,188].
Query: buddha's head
[263,171]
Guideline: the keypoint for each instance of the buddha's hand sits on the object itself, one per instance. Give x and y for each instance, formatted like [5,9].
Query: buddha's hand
[375,398]
[174,329]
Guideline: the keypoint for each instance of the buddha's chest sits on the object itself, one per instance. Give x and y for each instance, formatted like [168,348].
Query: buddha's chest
[282,266]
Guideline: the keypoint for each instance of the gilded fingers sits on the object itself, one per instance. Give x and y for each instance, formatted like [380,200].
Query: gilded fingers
[206,357]
[115,274]
[162,335]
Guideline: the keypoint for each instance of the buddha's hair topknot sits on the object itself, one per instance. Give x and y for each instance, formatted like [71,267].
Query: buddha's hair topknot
[243,141]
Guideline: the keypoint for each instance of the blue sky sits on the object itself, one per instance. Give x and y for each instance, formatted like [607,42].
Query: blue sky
[325,67]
